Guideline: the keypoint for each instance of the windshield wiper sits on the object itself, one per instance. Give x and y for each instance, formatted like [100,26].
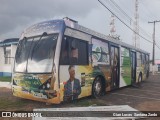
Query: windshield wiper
[21,46]
[36,45]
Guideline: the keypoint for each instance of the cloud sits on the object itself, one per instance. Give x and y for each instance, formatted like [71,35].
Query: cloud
[18,13]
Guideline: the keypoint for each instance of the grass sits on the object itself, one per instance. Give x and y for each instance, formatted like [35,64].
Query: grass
[5,79]
[11,104]
[89,102]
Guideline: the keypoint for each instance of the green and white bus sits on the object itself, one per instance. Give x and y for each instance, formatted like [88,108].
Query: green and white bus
[60,60]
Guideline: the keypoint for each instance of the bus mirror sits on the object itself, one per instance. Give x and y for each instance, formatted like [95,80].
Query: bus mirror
[44,34]
[73,44]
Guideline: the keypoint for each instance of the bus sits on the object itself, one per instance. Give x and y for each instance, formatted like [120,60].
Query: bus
[60,60]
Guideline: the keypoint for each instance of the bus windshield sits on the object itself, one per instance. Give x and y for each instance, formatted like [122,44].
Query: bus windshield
[36,54]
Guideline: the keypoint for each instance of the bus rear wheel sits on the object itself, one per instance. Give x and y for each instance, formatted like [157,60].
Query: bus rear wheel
[97,88]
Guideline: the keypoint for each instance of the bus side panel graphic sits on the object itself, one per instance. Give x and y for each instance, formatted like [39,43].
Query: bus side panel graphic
[125,76]
[85,74]
[33,86]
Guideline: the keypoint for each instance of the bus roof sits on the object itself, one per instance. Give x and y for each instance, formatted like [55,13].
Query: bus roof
[58,25]
[76,26]
[51,26]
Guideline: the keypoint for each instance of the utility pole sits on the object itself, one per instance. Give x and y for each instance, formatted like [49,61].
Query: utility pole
[153,55]
[136,38]
[112,26]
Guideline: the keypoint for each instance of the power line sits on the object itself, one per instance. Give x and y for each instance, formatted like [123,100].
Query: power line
[126,15]
[121,9]
[150,14]
[144,11]
[154,22]
[127,7]
[115,8]
[124,22]
[148,10]
[157,45]
[142,30]
[145,33]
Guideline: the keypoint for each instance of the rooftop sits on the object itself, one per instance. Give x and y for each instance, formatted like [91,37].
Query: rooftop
[9,41]
[157,61]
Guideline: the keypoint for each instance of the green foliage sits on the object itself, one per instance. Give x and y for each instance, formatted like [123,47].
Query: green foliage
[11,104]
[5,79]
[84,103]
[98,49]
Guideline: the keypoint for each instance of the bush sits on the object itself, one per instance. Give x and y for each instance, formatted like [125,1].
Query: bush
[5,79]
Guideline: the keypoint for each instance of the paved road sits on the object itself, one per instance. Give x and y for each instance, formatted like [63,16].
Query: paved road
[148,92]
[5,84]
[144,98]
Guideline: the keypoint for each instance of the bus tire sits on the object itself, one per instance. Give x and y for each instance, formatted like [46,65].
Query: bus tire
[97,87]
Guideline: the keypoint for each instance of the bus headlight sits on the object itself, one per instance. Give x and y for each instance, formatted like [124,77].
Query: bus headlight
[54,68]
[14,83]
[46,85]
[43,86]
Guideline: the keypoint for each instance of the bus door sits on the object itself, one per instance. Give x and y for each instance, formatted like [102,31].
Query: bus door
[133,64]
[147,65]
[115,67]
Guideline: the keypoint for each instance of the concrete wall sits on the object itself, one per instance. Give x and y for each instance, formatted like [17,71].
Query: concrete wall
[153,68]
[13,52]
[6,69]
[1,61]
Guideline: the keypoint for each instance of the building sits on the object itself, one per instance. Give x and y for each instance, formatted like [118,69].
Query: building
[156,67]
[157,62]
[7,53]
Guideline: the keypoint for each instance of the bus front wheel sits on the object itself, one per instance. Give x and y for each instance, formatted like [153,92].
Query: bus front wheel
[97,88]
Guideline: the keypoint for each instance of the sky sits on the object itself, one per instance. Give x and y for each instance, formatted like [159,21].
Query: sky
[17,15]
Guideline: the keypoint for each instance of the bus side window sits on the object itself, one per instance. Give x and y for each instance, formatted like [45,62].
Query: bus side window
[139,59]
[74,52]
[83,57]
[74,56]
[64,59]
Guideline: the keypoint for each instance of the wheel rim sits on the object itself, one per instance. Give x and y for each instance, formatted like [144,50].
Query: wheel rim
[98,87]
[140,78]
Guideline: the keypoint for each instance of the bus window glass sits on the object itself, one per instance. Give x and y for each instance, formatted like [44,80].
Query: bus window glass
[112,56]
[143,59]
[139,59]
[74,51]
[124,52]
[83,53]
[147,59]
[96,57]
[100,52]
[41,55]
[65,52]
[22,55]
[38,52]
[125,59]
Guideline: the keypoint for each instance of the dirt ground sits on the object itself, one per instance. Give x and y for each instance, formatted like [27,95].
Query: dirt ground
[144,98]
